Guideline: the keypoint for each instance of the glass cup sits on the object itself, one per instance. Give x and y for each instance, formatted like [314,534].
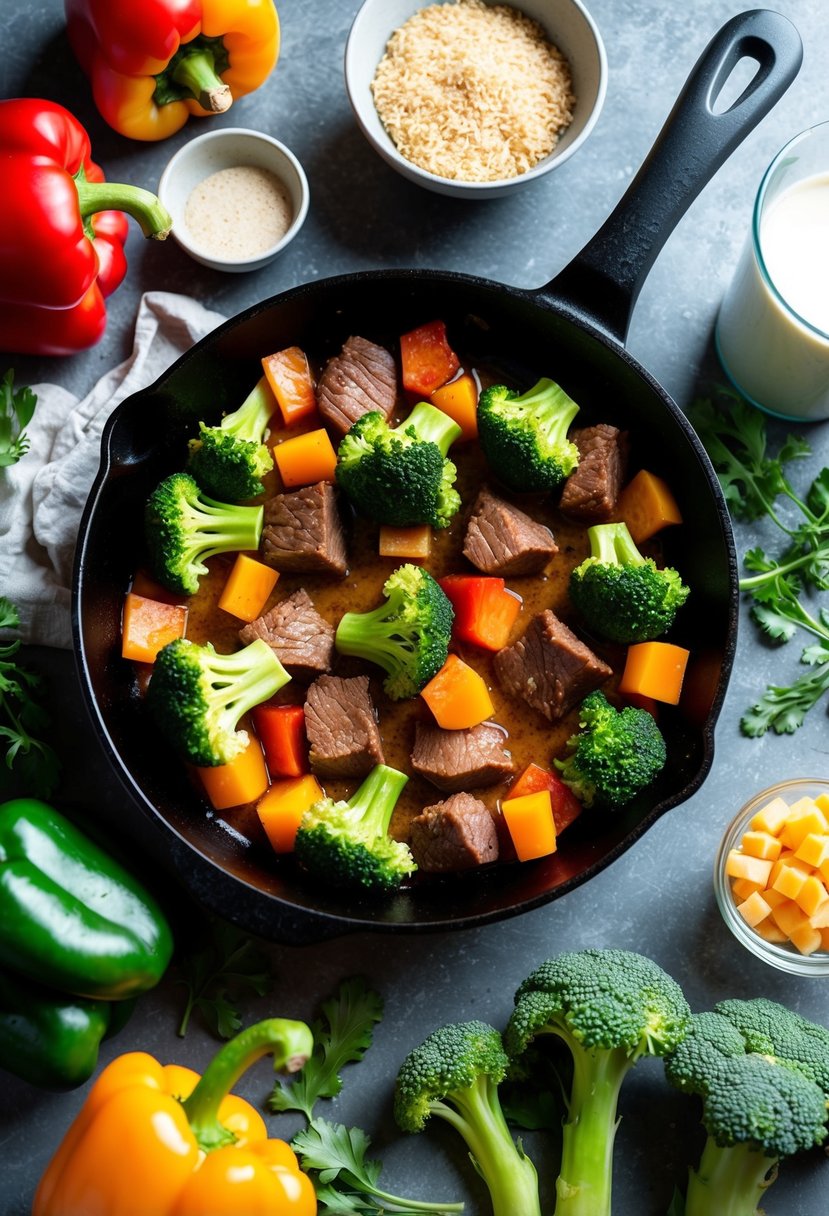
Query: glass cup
[772,331]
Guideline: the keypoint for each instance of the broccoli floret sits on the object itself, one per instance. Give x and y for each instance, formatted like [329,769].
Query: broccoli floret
[401,476]
[184,527]
[198,696]
[622,595]
[609,1007]
[524,437]
[616,753]
[762,1073]
[408,636]
[230,460]
[346,844]
[455,1074]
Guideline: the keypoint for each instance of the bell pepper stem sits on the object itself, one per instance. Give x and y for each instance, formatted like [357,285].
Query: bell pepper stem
[197,73]
[290,1044]
[154,219]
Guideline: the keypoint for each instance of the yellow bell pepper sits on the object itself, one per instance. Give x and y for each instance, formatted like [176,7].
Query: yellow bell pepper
[153,63]
[157,1139]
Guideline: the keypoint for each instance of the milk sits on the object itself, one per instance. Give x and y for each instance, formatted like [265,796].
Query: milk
[773,327]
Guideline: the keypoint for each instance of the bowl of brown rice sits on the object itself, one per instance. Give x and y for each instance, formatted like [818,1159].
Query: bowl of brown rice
[475,98]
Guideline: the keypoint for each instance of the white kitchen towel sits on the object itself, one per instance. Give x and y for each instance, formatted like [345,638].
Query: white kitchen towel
[43,495]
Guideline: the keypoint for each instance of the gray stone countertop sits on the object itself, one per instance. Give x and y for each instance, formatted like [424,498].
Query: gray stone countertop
[657,898]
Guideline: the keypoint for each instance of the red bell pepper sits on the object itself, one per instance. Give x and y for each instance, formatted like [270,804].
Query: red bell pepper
[485,611]
[62,231]
[281,731]
[427,359]
[566,806]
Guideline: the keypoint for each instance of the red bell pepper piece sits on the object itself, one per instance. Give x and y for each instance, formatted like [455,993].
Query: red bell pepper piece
[281,731]
[485,611]
[427,359]
[64,233]
[565,804]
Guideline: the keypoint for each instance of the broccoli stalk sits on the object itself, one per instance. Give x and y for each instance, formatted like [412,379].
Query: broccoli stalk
[401,476]
[616,753]
[184,527]
[230,460]
[524,437]
[622,595]
[198,696]
[455,1074]
[408,636]
[610,1007]
[346,844]
[762,1073]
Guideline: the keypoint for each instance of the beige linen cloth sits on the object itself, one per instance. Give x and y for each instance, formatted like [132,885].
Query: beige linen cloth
[43,495]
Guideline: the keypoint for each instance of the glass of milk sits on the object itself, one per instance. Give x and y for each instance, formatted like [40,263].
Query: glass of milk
[772,332]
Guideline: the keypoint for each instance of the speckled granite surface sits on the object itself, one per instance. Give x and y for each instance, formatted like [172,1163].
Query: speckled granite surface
[657,898]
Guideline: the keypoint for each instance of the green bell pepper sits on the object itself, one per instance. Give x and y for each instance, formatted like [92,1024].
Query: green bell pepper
[72,918]
[49,1039]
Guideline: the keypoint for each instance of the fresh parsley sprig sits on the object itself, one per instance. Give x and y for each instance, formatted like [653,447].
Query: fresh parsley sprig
[222,968]
[33,762]
[342,1035]
[17,407]
[783,587]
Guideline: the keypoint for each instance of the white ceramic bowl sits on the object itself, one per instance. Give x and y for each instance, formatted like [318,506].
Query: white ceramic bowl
[227,148]
[784,956]
[567,24]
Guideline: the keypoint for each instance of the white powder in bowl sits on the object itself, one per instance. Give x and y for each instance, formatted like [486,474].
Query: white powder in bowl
[238,213]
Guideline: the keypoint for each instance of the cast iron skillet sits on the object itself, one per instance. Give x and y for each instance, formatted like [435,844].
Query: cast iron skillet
[572,329]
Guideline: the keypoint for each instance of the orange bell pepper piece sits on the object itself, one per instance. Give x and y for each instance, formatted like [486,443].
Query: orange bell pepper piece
[148,625]
[306,459]
[457,696]
[427,360]
[139,1142]
[288,374]
[247,588]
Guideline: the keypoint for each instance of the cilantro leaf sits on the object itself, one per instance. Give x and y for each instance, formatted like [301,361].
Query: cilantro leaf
[225,966]
[783,708]
[342,1035]
[16,410]
[32,763]
[337,1156]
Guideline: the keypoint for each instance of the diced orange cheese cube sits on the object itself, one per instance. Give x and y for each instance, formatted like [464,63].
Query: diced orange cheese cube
[789,881]
[248,586]
[740,865]
[814,849]
[761,844]
[655,669]
[647,505]
[824,937]
[148,626]
[773,898]
[741,888]
[531,825]
[282,807]
[754,909]
[799,825]
[306,459]
[415,542]
[811,895]
[822,802]
[771,817]
[788,916]
[820,918]
[459,399]
[806,939]
[770,932]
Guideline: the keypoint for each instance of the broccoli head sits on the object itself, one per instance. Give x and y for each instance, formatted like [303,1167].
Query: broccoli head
[198,696]
[184,527]
[762,1073]
[408,636]
[524,437]
[609,1007]
[401,476]
[455,1074]
[616,753]
[622,595]
[230,460]
[346,844]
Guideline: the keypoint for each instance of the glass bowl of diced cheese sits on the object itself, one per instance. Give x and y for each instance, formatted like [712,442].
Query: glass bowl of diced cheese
[771,876]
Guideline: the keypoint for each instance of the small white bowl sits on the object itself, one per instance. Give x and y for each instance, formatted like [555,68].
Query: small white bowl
[567,24]
[228,148]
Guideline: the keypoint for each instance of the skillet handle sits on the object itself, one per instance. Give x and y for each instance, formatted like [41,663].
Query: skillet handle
[602,282]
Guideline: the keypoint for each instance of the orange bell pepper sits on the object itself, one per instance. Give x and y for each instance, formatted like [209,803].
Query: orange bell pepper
[155,1139]
[152,64]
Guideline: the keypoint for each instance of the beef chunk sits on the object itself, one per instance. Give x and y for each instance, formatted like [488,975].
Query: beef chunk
[342,727]
[302,639]
[303,531]
[591,490]
[549,667]
[454,835]
[501,539]
[461,759]
[360,378]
